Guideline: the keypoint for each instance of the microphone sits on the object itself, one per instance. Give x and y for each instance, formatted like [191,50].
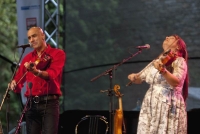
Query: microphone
[30,85]
[25,46]
[146,46]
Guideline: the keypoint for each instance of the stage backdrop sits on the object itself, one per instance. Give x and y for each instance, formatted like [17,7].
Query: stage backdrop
[101,34]
[28,15]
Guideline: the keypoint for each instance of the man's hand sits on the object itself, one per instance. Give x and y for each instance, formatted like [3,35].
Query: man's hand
[30,66]
[12,85]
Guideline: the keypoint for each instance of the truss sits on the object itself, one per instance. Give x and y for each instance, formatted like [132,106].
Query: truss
[50,21]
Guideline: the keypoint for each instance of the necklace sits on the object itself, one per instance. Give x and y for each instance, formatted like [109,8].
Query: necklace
[39,55]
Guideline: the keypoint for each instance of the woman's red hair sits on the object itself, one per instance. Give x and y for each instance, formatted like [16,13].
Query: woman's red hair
[183,52]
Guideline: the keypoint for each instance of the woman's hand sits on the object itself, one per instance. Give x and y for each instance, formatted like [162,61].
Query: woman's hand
[135,78]
[158,64]
[170,78]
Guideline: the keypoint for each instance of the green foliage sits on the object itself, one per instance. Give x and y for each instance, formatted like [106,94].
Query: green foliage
[89,28]
[91,23]
[89,31]
[8,41]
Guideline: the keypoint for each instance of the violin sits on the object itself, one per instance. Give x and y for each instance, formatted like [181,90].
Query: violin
[168,57]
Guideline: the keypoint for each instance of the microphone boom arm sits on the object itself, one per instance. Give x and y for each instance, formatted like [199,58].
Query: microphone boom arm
[115,66]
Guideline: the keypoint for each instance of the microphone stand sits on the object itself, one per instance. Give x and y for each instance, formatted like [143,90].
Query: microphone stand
[110,91]
[17,131]
[7,95]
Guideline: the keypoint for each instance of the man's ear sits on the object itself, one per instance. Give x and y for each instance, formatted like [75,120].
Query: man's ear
[43,36]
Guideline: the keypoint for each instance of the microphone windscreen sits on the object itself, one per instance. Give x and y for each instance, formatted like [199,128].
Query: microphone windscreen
[148,46]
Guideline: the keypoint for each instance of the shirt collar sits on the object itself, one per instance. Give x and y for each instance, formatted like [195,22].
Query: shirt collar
[46,50]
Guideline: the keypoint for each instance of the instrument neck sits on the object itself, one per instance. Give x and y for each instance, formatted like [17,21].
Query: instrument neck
[120,103]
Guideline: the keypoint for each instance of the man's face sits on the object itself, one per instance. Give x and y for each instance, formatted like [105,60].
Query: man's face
[35,37]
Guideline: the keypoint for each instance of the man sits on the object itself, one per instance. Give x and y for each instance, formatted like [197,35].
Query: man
[42,70]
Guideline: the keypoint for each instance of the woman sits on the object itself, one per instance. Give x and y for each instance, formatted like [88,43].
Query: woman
[163,109]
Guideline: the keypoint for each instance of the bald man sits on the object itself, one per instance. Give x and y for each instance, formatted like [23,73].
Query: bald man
[42,70]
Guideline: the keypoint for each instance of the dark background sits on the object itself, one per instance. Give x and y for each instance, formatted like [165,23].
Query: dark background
[101,34]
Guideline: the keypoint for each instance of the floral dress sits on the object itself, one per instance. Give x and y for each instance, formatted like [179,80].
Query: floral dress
[163,108]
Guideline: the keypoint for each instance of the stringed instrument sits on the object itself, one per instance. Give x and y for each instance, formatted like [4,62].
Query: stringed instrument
[118,118]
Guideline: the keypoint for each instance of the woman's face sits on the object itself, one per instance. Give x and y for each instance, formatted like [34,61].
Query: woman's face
[170,42]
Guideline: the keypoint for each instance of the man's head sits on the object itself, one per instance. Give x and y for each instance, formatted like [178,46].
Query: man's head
[36,38]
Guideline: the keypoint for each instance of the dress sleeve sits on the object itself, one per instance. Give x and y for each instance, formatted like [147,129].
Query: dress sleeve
[180,68]
[143,73]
